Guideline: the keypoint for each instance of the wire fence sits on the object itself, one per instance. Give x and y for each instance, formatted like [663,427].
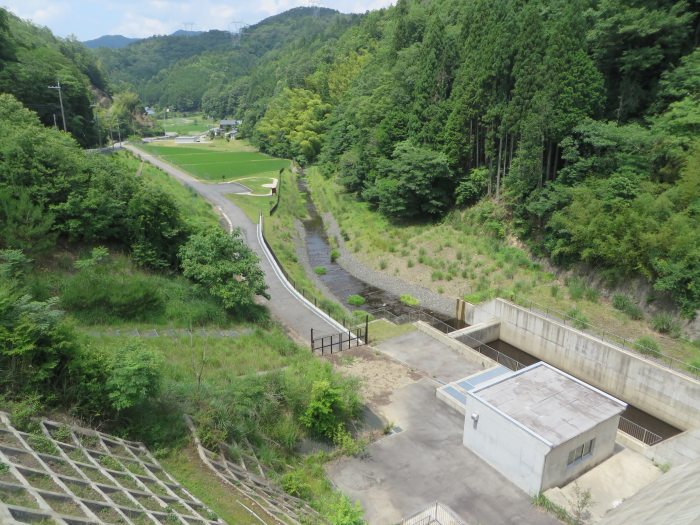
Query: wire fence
[638,432]
[607,336]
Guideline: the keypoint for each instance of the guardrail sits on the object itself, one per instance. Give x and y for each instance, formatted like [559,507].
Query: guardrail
[638,432]
[308,295]
[605,335]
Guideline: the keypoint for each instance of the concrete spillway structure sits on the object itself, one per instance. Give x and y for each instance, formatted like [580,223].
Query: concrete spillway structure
[666,394]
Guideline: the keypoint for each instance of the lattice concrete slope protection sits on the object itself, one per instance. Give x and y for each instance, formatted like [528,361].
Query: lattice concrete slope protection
[75,476]
[248,477]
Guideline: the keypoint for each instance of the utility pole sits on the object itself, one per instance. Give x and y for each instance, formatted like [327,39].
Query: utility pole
[97,119]
[60,100]
[54,122]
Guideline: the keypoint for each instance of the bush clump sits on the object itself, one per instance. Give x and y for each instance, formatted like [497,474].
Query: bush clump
[666,324]
[356,300]
[625,304]
[320,270]
[647,345]
[409,300]
[335,254]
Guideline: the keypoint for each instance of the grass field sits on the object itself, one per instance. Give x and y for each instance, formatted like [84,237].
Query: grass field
[217,162]
[186,125]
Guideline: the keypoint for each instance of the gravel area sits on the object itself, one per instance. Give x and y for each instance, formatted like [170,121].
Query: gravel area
[428,299]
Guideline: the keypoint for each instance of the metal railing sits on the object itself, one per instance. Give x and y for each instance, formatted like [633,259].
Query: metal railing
[340,341]
[413,315]
[435,513]
[490,352]
[638,432]
[603,334]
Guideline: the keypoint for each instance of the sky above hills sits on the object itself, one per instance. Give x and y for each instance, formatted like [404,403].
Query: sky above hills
[89,19]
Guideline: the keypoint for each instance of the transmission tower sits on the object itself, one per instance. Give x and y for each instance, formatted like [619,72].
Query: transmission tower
[236,28]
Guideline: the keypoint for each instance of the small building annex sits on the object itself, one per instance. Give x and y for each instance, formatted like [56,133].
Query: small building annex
[541,427]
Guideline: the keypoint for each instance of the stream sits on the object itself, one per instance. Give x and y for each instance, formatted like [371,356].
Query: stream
[380,303]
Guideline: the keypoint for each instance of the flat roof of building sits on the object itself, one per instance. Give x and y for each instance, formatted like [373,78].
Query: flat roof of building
[549,403]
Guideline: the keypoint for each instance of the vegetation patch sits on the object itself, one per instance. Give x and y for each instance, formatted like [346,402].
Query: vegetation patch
[355,300]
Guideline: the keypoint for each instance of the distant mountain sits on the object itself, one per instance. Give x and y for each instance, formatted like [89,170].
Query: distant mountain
[183,32]
[120,41]
[110,41]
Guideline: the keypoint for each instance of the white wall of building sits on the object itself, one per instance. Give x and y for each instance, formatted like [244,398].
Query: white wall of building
[556,471]
[502,443]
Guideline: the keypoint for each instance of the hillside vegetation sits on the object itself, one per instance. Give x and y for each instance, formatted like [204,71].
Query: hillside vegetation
[578,120]
[115,285]
[32,58]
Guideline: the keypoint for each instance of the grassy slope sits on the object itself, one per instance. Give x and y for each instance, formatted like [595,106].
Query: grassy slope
[202,483]
[458,255]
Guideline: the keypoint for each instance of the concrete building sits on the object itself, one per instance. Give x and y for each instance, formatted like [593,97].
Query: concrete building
[540,427]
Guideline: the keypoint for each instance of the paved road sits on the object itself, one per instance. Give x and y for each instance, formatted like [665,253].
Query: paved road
[297,317]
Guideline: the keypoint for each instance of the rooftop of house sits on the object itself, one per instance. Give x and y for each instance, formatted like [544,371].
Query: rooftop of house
[550,403]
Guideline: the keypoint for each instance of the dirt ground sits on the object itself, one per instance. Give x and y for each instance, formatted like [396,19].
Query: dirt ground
[380,375]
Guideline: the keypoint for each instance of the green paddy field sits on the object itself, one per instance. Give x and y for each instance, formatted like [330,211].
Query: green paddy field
[218,161]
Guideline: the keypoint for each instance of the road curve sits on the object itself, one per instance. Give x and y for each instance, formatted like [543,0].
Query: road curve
[296,314]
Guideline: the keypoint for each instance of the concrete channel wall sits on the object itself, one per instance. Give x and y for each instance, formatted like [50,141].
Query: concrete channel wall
[662,392]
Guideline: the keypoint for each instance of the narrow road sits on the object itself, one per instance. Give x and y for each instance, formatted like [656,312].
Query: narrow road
[297,316]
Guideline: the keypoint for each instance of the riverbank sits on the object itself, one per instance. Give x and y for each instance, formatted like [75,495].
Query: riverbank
[467,256]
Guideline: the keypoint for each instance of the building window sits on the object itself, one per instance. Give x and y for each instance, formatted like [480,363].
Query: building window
[581,452]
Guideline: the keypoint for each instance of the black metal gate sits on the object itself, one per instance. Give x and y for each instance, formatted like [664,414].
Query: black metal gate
[340,341]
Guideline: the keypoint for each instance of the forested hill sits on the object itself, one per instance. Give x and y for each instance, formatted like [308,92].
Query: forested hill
[31,59]
[572,124]
[178,71]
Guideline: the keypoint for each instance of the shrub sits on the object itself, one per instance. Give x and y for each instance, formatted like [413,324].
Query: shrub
[666,324]
[356,300]
[320,270]
[225,265]
[440,290]
[382,264]
[554,291]
[335,254]
[42,444]
[23,413]
[576,287]
[577,318]
[325,411]
[625,304]
[647,345]
[409,300]
[410,263]
[110,463]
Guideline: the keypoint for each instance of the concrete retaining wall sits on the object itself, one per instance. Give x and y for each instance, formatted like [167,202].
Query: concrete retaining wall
[484,333]
[660,391]
[466,351]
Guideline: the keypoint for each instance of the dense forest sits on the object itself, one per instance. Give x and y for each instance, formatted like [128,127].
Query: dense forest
[577,120]
[573,123]
[32,59]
